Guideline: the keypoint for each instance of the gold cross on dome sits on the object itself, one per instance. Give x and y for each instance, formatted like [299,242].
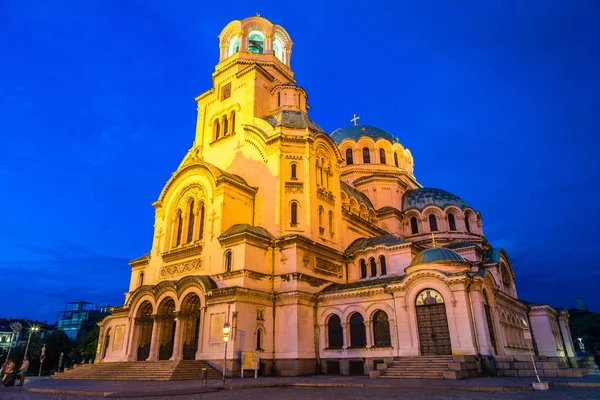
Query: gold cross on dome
[355,119]
[432,240]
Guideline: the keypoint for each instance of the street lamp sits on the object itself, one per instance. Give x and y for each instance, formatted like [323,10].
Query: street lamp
[34,328]
[226,331]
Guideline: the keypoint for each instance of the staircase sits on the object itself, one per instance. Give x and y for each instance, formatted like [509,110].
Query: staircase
[419,367]
[141,371]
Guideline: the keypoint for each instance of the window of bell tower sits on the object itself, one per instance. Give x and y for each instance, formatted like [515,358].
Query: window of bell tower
[278,50]
[256,42]
[234,46]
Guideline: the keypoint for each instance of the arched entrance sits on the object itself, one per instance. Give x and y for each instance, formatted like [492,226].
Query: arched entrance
[490,322]
[143,323]
[434,336]
[190,318]
[166,335]
[106,342]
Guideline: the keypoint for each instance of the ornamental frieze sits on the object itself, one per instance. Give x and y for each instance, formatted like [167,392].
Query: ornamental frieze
[325,195]
[328,268]
[181,268]
[294,187]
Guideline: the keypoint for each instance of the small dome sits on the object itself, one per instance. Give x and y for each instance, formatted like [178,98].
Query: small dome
[437,255]
[420,198]
[356,132]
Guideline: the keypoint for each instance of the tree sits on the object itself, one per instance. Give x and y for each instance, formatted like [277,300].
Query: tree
[89,344]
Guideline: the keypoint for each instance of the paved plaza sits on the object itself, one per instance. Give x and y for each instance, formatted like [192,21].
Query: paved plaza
[333,393]
[315,387]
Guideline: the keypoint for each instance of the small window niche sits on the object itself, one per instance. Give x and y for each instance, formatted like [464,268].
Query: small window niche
[226,92]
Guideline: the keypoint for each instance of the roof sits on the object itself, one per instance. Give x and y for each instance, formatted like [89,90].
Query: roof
[459,245]
[492,256]
[355,132]
[420,198]
[363,284]
[352,191]
[292,119]
[247,228]
[364,243]
[436,255]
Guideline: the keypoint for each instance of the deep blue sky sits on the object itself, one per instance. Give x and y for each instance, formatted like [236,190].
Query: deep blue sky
[497,100]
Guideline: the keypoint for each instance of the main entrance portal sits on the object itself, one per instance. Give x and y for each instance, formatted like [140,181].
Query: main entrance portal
[434,335]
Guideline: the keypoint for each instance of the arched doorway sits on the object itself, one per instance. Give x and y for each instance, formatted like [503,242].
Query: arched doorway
[166,320]
[434,336]
[190,317]
[490,322]
[106,342]
[143,323]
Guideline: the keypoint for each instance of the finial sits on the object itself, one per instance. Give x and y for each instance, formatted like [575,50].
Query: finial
[355,119]
[432,240]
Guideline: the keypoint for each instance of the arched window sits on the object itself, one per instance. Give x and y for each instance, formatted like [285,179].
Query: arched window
[293,171]
[373,266]
[381,329]
[396,159]
[256,42]
[467,226]
[363,269]
[201,227]
[366,155]
[294,213]
[382,156]
[382,265]
[330,221]
[358,334]
[179,222]
[451,222]
[141,278]
[414,226]
[349,159]
[233,122]
[225,126]
[259,339]
[432,223]
[217,129]
[321,212]
[278,50]
[228,260]
[278,99]
[192,216]
[234,46]
[335,335]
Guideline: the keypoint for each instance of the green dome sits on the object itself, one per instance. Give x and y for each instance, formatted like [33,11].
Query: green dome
[435,255]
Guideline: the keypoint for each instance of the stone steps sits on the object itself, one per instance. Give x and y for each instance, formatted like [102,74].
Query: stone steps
[141,370]
[415,367]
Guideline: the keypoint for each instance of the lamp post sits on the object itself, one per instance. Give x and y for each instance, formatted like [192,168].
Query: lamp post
[226,331]
[16,328]
[34,328]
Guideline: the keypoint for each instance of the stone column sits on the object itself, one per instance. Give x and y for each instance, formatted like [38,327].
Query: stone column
[483,336]
[155,339]
[180,324]
[369,334]
[203,312]
[563,325]
[345,336]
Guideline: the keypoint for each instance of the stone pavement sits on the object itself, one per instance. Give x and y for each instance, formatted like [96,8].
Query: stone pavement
[132,389]
[336,393]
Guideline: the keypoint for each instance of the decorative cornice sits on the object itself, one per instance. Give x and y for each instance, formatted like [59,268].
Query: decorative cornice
[184,251]
[168,271]
[311,280]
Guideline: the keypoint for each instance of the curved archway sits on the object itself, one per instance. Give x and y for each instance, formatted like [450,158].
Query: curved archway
[434,335]
[490,322]
[381,329]
[166,328]
[358,334]
[189,317]
[106,342]
[143,327]
[335,335]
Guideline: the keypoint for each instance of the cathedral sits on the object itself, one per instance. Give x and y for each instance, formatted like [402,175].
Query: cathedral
[321,251]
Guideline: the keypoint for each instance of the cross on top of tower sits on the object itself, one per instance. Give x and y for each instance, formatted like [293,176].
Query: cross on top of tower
[354,119]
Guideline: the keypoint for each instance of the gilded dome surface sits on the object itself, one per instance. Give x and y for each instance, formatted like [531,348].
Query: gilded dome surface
[355,132]
[420,198]
[435,255]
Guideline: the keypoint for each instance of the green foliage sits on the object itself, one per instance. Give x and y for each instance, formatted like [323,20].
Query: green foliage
[89,343]
[586,325]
